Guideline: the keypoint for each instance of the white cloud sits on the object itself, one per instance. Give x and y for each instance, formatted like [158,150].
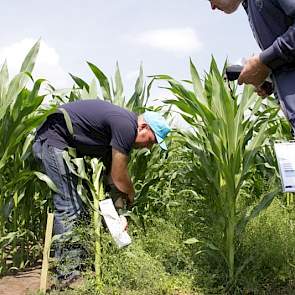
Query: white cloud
[177,40]
[132,75]
[47,63]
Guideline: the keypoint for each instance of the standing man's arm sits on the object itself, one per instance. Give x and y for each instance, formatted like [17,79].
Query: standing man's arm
[281,52]
[120,175]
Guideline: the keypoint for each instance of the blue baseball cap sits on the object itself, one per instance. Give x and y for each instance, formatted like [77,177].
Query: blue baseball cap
[159,126]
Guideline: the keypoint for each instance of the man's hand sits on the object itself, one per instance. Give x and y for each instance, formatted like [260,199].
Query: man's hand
[254,72]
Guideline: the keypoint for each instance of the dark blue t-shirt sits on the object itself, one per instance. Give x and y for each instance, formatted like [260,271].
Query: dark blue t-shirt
[98,127]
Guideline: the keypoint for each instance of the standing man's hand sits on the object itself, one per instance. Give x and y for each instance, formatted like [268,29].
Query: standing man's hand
[254,72]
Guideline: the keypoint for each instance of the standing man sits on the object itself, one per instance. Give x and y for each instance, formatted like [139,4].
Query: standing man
[273,26]
[102,130]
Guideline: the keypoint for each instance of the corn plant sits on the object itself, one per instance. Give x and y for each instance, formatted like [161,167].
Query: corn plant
[228,131]
[112,90]
[22,197]
[89,174]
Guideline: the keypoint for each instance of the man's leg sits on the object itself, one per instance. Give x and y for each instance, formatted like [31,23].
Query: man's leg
[68,207]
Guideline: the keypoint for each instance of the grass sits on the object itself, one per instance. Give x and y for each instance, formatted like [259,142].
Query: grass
[270,244]
[157,262]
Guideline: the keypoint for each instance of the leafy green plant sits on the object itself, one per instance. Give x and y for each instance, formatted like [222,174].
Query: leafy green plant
[91,190]
[112,90]
[270,241]
[20,113]
[228,131]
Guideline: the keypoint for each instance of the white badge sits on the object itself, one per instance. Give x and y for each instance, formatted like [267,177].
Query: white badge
[285,152]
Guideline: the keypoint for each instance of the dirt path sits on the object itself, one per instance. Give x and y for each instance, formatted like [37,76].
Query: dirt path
[21,283]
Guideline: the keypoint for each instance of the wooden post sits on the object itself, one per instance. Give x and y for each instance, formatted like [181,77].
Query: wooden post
[46,252]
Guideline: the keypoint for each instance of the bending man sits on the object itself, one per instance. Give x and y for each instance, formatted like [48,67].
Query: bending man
[102,130]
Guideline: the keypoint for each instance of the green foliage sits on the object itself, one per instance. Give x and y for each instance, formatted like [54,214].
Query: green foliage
[270,244]
[193,225]
[90,186]
[22,196]
[112,90]
[147,266]
[164,241]
[228,132]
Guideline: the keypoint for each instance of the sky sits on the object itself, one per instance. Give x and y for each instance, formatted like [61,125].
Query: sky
[162,35]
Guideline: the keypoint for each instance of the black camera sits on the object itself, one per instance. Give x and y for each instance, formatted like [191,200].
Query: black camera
[233,72]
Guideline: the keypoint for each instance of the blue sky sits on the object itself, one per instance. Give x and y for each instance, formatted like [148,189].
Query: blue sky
[161,34]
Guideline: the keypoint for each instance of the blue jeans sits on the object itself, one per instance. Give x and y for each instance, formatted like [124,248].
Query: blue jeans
[68,207]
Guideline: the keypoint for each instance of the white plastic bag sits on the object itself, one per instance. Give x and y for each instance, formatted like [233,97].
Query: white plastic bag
[115,224]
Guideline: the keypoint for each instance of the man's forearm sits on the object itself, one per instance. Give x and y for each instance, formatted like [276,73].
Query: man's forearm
[120,175]
[124,184]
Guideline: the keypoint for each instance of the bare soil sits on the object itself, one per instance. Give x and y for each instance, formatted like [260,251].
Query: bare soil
[21,283]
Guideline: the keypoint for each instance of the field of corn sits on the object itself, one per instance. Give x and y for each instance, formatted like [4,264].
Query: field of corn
[209,216]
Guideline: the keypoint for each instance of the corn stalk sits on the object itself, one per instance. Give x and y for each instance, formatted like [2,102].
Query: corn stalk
[228,131]
[21,200]
[98,195]
[93,179]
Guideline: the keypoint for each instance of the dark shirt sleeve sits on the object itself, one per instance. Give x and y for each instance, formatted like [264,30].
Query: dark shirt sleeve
[282,51]
[123,134]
